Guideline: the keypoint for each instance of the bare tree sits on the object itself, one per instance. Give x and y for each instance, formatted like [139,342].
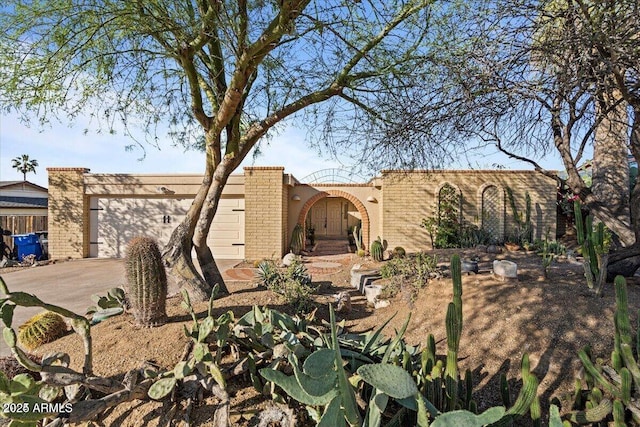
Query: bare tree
[528,78]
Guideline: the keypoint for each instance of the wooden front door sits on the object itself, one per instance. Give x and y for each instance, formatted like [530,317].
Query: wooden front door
[327,218]
[334,218]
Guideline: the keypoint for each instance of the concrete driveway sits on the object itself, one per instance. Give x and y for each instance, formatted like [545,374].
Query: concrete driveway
[69,284]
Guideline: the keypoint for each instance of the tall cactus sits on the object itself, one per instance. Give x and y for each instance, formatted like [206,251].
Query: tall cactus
[357,237]
[593,248]
[146,282]
[297,239]
[524,225]
[617,384]
[454,330]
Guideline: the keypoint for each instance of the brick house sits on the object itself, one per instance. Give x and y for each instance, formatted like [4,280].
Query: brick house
[95,215]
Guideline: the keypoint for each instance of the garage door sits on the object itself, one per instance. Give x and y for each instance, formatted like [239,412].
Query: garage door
[115,221]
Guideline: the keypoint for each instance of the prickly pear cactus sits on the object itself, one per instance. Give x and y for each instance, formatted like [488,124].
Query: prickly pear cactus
[146,282]
[41,329]
[390,379]
[377,250]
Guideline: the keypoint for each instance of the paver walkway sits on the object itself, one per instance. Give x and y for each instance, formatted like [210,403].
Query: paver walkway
[329,256]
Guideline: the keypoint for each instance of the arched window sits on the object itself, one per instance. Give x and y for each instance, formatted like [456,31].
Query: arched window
[493,212]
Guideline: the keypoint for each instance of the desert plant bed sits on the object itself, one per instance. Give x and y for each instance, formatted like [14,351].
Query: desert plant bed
[550,319]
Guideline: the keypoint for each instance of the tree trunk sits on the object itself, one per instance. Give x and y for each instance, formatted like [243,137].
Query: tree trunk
[206,260]
[177,252]
[617,223]
[624,262]
[634,201]
[211,272]
[610,186]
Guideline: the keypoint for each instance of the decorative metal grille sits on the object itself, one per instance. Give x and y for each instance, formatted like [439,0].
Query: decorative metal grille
[449,199]
[333,176]
[491,215]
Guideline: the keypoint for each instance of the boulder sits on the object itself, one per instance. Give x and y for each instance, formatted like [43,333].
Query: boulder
[470,267]
[343,300]
[505,270]
[493,249]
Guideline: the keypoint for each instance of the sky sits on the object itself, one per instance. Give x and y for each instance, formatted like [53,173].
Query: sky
[59,145]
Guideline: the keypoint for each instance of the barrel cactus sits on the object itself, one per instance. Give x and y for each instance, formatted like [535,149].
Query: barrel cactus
[399,252]
[377,250]
[41,329]
[146,282]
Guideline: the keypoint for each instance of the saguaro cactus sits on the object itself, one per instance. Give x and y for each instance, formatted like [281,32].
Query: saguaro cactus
[146,282]
[454,330]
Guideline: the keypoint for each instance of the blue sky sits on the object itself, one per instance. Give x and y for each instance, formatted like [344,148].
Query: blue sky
[58,145]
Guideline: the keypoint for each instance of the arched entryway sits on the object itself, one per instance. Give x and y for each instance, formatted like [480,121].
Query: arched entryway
[335,204]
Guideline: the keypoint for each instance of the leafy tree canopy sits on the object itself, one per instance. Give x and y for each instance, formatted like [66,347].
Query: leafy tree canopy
[166,64]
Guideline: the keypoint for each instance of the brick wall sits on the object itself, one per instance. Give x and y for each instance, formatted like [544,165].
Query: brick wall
[409,197]
[68,221]
[265,211]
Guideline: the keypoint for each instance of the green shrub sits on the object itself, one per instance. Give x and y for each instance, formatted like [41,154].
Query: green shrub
[448,230]
[292,283]
[552,247]
[410,273]
[470,236]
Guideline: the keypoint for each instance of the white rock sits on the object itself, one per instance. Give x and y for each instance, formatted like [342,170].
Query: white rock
[382,303]
[371,292]
[288,259]
[505,269]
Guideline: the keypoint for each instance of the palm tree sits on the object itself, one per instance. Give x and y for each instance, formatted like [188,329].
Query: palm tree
[24,164]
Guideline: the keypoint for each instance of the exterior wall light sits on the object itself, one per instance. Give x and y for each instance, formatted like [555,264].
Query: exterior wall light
[295,198]
[164,190]
[372,199]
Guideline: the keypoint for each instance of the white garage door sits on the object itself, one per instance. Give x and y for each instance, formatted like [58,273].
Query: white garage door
[115,221]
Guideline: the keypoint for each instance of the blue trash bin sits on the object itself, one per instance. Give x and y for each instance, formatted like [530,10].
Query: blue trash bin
[27,244]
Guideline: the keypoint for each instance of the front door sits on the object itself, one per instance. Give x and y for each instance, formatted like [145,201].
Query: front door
[334,218]
[327,217]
